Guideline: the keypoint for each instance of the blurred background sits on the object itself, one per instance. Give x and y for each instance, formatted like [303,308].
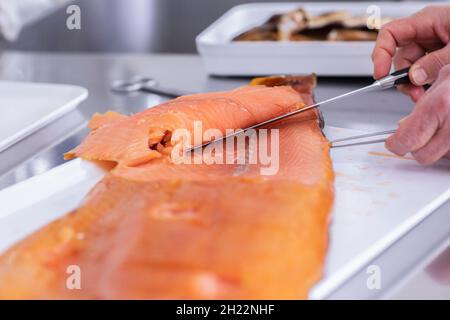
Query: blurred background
[110,25]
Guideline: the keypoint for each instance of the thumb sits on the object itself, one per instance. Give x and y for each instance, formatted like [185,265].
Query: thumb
[426,69]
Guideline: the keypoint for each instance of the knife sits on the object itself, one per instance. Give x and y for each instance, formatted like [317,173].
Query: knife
[390,81]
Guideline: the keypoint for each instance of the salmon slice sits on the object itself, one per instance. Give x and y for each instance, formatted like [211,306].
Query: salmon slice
[99,120]
[135,140]
[160,230]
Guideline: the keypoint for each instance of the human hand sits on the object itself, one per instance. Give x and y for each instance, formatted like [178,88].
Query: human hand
[421,41]
[426,131]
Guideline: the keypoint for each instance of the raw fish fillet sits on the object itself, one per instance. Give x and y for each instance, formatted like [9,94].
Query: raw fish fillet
[152,229]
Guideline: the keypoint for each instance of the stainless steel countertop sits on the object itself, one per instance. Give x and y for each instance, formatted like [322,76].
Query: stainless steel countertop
[43,150]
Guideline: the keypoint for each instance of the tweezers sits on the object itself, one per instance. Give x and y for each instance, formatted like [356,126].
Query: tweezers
[361,139]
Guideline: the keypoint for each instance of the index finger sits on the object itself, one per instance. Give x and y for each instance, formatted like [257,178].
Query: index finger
[397,33]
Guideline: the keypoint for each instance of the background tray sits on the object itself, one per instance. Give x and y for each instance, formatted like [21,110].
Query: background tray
[223,57]
[26,107]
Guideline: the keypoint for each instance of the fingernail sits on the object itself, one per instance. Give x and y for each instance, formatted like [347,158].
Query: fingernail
[419,76]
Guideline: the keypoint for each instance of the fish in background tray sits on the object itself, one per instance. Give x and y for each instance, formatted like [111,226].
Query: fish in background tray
[298,25]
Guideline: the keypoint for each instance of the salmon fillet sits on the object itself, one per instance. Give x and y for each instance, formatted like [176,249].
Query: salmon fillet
[157,230]
[127,140]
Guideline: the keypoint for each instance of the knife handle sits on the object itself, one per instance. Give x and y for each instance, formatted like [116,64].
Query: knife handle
[402,76]
[397,78]
[406,80]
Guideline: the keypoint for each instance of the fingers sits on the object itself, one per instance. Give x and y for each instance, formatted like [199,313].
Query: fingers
[395,34]
[429,28]
[426,132]
[426,69]
[436,149]
[405,57]
[414,131]
[414,92]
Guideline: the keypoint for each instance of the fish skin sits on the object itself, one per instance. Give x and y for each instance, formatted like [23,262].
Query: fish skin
[156,230]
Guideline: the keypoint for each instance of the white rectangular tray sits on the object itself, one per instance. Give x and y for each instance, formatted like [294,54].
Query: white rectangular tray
[378,199]
[223,57]
[27,107]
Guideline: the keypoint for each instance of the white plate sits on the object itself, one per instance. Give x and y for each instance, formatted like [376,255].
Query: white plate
[27,107]
[378,199]
[223,57]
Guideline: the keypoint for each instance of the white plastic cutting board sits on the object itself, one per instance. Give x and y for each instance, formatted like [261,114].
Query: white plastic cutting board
[378,198]
[26,107]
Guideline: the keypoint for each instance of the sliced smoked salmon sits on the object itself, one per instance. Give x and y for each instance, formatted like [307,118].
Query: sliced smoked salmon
[153,229]
[231,239]
[303,154]
[134,140]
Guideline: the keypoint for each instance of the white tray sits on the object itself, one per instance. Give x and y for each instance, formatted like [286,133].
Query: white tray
[27,107]
[223,57]
[378,199]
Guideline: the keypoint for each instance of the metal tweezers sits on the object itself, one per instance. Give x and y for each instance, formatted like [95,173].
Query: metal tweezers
[361,139]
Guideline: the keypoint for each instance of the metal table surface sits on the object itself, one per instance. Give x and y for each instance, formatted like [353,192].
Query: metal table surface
[43,150]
